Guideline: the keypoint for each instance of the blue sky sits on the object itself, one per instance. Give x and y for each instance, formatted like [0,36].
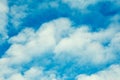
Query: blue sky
[59,40]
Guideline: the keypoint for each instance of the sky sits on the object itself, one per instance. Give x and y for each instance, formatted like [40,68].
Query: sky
[59,40]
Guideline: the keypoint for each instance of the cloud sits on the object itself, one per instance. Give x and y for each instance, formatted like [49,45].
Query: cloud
[88,46]
[28,40]
[84,4]
[3,20]
[17,13]
[29,14]
[62,44]
[83,12]
[59,40]
[29,44]
[80,4]
[113,72]
[35,73]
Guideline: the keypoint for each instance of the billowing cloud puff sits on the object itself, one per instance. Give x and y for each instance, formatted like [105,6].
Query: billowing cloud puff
[64,42]
[31,44]
[36,43]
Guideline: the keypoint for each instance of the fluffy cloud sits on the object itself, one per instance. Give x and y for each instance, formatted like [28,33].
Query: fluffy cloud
[59,39]
[65,40]
[108,74]
[42,41]
[96,47]
[35,73]
[29,44]
[41,48]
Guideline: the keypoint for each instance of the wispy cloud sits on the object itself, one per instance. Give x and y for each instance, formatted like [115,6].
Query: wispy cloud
[3,20]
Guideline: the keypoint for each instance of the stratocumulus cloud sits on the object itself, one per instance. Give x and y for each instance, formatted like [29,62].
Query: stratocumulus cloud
[60,40]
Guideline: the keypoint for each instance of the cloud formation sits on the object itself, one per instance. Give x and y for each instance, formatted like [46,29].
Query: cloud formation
[59,38]
[52,40]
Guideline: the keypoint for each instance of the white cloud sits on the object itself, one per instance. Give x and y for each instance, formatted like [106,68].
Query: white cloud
[89,46]
[3,20]
[34,73]
[16,76]
[58,37]
[29,44]
[39,74]
[112,73]
[18,13]
[23,37]
[34,44]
